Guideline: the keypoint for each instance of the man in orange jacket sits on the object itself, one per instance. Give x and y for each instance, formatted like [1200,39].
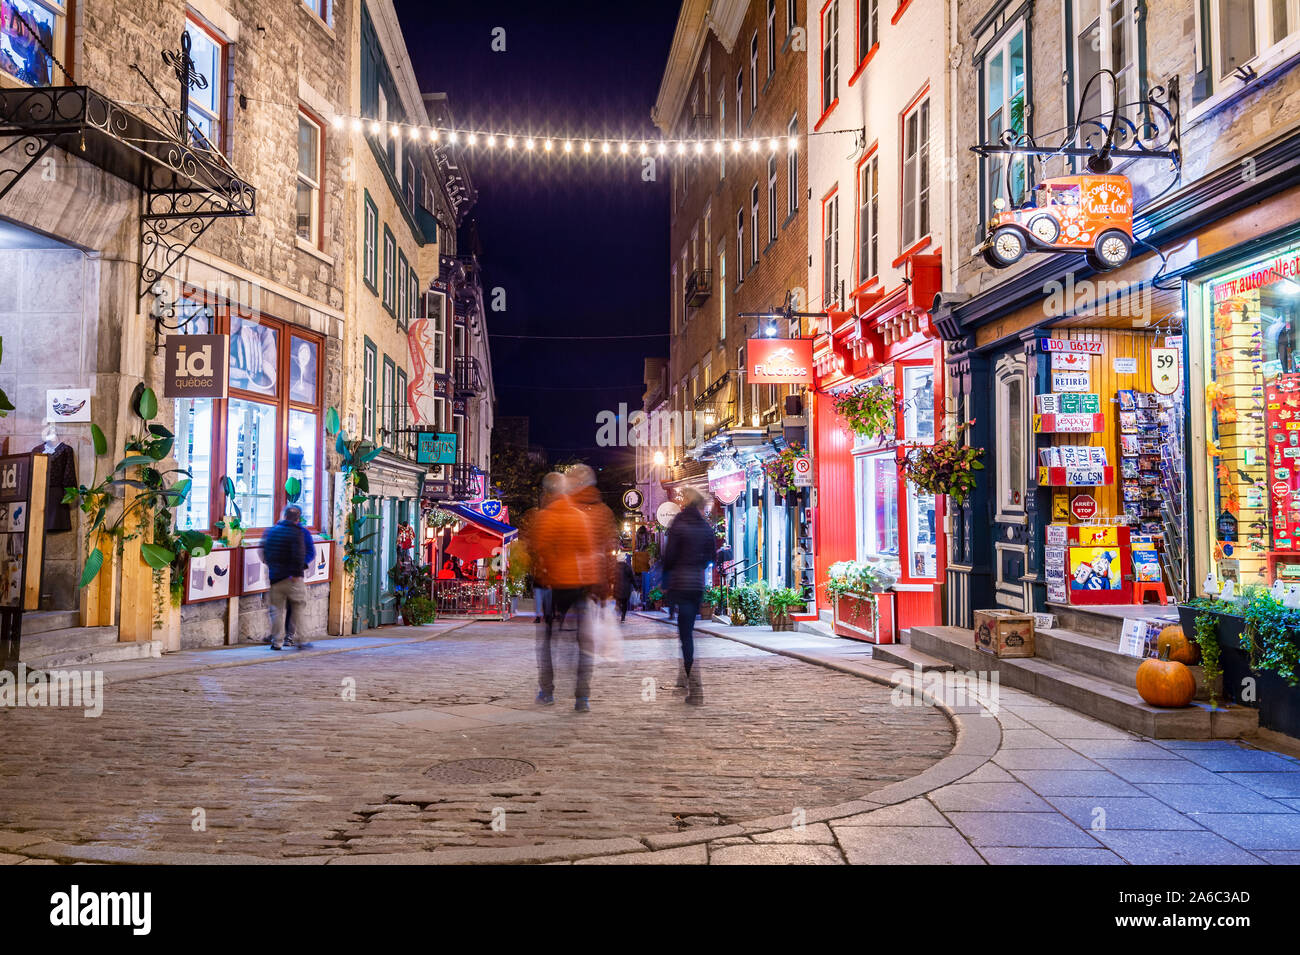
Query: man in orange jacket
[573,540]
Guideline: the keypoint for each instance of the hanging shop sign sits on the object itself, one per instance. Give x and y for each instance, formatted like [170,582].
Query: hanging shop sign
[666,512]
[632,500]
[727,484]
[435,447]
[1071,381]
[1165,376]
[491,509]
[779,361]
[196,366]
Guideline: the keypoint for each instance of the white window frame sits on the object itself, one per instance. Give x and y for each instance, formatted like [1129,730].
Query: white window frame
[388,291]
[831,249]
[371,356]
[218,84]
[386,397]
[1008,369]
[996,165]
[753,216]
[753,73]
[722,290]
[740,101]
[829,68]
[869,218]
[370,241]
[771,198]
[740,246]
[916,226]
[771,37]
[872,23]
[1266,49]
[435,312]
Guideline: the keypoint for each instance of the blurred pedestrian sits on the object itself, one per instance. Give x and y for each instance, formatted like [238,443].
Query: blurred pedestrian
[623,584]
[689,550]
[285,553]
[573,542]
[552,487]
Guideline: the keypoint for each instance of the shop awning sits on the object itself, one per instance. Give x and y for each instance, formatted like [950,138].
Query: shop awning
[483,522]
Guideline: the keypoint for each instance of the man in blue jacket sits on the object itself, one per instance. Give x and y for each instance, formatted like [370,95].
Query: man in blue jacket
[287,551]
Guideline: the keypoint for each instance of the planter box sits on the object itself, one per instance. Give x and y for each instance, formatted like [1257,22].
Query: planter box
[781,622]
[1277,701]
[706,611]
[856,616]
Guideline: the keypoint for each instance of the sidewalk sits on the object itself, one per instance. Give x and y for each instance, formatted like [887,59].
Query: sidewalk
[1061,788]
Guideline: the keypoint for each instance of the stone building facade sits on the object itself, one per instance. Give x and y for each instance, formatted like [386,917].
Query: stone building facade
[737,74]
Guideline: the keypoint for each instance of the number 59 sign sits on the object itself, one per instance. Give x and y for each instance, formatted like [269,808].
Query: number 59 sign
[1165,377]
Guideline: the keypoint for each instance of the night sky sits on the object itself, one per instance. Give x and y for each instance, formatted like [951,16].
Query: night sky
[580,246]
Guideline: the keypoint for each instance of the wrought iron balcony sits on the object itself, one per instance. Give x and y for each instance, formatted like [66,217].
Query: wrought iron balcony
[463,485]
[699,286]
[467,379]
[701,126]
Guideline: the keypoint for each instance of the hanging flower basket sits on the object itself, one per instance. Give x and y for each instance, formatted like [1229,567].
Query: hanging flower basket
[868,410]
[945,467]
[780,470]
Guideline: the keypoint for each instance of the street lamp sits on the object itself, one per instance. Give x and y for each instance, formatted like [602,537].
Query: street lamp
[659,459]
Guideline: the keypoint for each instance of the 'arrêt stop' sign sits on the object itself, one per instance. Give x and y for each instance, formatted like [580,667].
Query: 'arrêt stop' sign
[1083,507]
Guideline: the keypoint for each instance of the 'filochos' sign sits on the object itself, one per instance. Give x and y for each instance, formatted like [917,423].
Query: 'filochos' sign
[779,361]
[197,366]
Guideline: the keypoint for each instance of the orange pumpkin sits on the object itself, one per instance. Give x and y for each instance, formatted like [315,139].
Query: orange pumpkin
[1165,683]
[1173,644]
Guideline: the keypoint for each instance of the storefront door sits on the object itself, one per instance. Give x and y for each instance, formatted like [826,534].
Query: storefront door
[1011,453]
[386,547]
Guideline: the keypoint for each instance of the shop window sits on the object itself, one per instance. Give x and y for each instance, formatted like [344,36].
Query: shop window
[830,250]
[923,534]
[254,356]
[251,444]
[1251,362]
[301,460]
[303,375]
[193,450]
[918,404]
[771,199]
[876,484]
[830,55]
[21,56]
[916,174]
[869,219]
[310,152]
[1106,36]
[1002,78]
[370,244]
[207,106]
[1012,401]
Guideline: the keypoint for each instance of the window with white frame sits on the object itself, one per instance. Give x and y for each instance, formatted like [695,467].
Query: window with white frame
[722,132]
[672,297]
[722,289]
[368,393]
[399,396]
[412,300]
[1012,399]
[771,198]
[792,167]
[390,265]
[753,73]
[916,174]
[695,246]
[771,36]
[1003,77]
[753,224]
[831,249]
[23,59]
[387,408]
[868,26]
[1105,37]
[830,55]
[208,105]
[1244,31]
[370,243]
[434,310]
[869,218]
[403,287]
[740,100]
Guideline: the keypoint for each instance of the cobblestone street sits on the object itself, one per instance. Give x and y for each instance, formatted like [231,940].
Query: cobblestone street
[280,764]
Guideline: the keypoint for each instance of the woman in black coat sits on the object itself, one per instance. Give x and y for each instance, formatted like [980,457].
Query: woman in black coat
[688,552]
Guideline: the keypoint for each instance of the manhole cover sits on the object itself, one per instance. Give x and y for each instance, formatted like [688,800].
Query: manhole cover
[489,770]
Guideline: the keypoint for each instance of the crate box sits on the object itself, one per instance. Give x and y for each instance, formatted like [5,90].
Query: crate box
[1004,633]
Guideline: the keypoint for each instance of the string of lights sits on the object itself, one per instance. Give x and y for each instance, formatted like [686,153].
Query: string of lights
[563,145]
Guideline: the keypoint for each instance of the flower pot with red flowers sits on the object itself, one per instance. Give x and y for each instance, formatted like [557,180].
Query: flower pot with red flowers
[945,467]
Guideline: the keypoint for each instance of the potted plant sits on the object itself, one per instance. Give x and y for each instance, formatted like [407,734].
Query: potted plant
[410,580]
[1253,643]
[713,598]
[945,467]
[748,604]
[231,526]
[780,469]
[654,598]
[868,410]
[852,586]
[780,602]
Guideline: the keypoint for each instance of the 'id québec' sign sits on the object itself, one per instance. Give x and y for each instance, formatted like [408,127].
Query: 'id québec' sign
[196,366]
[779,361]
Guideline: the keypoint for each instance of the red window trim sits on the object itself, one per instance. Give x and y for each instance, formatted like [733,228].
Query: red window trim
[827,115]
[898,14]
[872,150]
[834,191]
[862,65]
[821,65]
[918,246]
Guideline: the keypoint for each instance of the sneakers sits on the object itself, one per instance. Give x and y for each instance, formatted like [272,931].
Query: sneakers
[277,646]
[544,698]
[581,705]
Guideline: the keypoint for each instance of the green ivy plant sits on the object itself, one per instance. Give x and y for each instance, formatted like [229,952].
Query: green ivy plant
[868,410]
[1207,638]
[139,468]
[356,457]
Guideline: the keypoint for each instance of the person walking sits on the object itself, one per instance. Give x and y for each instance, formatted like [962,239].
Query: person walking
[572,555]
[290,618]
[623,586]
[552,487]
[284,551]
[689,550]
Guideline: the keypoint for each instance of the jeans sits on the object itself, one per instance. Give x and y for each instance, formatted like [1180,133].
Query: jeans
[285,594]
[688,608]
[542,602]
[562,601]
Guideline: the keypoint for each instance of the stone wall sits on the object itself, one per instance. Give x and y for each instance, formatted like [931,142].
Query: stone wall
[204,624]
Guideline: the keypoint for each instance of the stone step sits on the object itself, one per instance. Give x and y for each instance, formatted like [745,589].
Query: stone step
[1106,623]
[1114,703]
[908,656]
[819,627]
[70,638]
[90,655]
[1099,657]
[42,621]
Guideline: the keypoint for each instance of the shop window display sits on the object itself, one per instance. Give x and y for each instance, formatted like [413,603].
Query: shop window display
[250,460]
[21,55]
[1252,405]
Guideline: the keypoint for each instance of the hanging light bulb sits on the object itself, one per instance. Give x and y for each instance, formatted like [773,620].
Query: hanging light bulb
[337,122]
[491,141]
[753,147]
[681,149]
[663,148]
[415,132]
[735,146]
[451,137]
[568,146]
[717,147]
[586,147]
[528,143]
[794,143]
[604,148]
[375,128]
[775,145]
[510,142]
[548,145]
[699,149]
[433,135]
[394,131]
[644,149]
[356,126]
[622,148]
[471,138]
